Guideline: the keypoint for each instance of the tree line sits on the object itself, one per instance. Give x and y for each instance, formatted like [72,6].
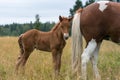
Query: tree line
[16,29]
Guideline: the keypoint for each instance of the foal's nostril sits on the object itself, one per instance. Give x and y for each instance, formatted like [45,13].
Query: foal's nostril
[66,36]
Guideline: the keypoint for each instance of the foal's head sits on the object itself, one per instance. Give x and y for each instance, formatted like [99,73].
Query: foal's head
[65,26]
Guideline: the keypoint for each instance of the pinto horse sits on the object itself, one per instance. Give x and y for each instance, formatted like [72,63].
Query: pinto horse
[97,22]
[52,41]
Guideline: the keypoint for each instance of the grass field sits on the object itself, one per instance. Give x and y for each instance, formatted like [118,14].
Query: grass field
[39,65]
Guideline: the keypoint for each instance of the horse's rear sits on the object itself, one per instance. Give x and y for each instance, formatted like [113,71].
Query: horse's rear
[97,22]
[102,20]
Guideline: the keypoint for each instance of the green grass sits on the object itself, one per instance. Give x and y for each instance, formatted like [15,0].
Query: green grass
[39,65]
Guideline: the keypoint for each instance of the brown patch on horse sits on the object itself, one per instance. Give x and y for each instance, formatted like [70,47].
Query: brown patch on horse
[51,41]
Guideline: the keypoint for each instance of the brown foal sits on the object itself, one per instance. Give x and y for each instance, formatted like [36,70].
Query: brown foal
[52,41]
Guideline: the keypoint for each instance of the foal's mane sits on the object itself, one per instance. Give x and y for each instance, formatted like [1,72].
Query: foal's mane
[55,27]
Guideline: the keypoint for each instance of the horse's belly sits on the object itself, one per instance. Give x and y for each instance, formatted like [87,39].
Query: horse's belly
[114,38]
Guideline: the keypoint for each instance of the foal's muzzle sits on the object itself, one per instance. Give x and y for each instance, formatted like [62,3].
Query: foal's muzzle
[66,36]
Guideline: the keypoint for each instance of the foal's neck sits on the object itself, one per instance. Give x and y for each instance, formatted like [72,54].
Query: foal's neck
[57,30]
[55,27]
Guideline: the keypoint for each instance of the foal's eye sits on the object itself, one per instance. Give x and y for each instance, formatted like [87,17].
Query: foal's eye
[63,26]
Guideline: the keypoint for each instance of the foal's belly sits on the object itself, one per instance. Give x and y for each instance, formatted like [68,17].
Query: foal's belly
[43,47]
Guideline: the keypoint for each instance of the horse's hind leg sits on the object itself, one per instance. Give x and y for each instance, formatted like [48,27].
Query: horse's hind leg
[94,59]
[86,55]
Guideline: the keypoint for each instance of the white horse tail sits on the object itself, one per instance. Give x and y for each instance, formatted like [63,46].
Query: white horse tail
[77,41]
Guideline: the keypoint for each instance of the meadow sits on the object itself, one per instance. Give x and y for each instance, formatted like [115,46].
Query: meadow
[39,65]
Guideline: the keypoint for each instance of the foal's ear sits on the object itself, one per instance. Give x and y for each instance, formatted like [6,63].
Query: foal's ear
[60,18]
[70,19]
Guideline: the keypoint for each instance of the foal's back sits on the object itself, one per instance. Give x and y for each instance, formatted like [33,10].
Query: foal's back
[36,39]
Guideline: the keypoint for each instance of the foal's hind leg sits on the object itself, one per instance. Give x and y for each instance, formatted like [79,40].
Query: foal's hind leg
[23,59]
[19,60]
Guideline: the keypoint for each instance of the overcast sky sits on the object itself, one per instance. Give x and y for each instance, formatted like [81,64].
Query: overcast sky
[22,11]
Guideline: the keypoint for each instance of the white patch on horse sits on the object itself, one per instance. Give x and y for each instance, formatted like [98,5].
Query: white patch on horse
[102,5]
[87,53]
[89,50]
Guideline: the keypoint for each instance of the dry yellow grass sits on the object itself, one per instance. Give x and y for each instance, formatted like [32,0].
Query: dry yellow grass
[39,65]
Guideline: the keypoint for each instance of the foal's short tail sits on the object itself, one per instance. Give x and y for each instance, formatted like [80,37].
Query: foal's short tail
[20,44]
[76,42]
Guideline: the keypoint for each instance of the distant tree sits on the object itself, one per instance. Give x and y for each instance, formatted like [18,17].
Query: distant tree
[48,26]
[118,0]
[89,2]
[77,5]
[110,0]
[31,25]
[37,23]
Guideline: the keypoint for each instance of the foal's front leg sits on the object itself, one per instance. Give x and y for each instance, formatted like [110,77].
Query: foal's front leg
[56,61]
